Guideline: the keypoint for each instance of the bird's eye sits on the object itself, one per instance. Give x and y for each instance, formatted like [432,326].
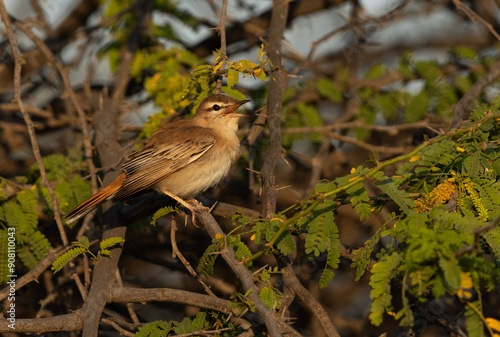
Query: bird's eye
[216,107]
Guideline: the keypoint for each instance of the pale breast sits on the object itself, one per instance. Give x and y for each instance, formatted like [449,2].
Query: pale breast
[205,172]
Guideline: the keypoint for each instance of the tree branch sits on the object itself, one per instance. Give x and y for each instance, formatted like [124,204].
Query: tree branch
[463,107]
[274,105]
[272,323]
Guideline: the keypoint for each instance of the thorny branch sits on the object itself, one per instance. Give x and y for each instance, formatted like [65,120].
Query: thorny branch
[221,29]
[34,143]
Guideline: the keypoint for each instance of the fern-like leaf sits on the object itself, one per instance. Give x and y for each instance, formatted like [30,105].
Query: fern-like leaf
[160,213]
[398,195]
[207,260]
[153,329]
[110,242]
[380,281]
[4,270]
[62,260]
[285,243]
[473,319]
[333,258]
[32,248]
[359,199]
[317,238]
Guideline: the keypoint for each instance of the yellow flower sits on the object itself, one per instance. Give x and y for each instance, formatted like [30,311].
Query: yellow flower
[493,324]
[461,149]
[414,158]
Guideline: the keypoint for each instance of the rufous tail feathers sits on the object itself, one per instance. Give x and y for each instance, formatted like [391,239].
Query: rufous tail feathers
[97,199]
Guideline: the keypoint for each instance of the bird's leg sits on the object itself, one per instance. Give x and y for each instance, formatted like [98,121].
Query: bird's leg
[191,208]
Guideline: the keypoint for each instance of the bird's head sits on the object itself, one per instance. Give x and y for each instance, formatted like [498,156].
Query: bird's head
[219,107]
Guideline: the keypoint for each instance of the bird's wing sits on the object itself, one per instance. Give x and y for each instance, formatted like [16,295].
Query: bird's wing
[168,150]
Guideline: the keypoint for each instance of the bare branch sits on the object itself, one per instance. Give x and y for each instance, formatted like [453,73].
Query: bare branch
[244,275]
[72,96]
[474,16]
[274,105]
[221,29]
[464,105]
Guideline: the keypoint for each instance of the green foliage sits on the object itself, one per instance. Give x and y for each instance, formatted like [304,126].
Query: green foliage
[207,260]
[473,319]
[362,255]
[70,188]
[392,187]
[62,260]
[382,273]
[161,213]
[83,246]
[19,212]
[180,78]
[436,91]
[417,107]
[4,258]
[320,228]
[240,248]
[428,247]
[329,89]
[360,200]
[271,297]
[204,322]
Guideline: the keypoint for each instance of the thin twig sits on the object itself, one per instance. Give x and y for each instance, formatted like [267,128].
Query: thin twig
[34,273]
[352,24]
[19,61]
[292,282]
[392,130]
[130,306]
[464,105]
[476,232]
[118,328]
[63,73]
[221,29]
[273,324]
[277,86]
[474,16]
[177,253]
[366,146]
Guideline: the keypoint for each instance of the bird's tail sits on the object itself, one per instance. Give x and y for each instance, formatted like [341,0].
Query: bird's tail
[97,199]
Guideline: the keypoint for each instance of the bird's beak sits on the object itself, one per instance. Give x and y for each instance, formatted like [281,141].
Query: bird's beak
[233,108]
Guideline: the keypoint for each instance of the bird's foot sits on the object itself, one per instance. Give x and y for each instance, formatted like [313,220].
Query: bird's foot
[195,205]
[189,206]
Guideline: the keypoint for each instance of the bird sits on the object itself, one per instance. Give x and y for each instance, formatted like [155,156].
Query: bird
[181,159]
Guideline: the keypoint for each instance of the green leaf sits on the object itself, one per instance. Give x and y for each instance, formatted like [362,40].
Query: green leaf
[207,260]
[319,228]
[375,71]
[388,105]
[398,195]
[473,320]
[329,89]
[359,199]
[183,327]
[451,271]
[380,281]
[110,242]
[4,256]
[310,117]
[270,297]
[417,107]
[199,321]
[62,260]
[161,213]
[285,243]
